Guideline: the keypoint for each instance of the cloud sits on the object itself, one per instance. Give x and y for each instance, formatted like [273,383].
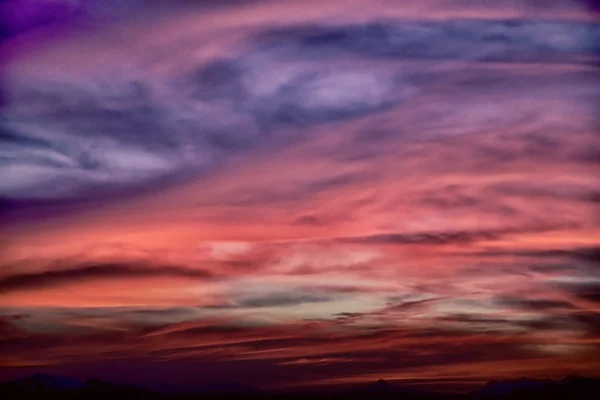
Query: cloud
[321,96]
[576,257]
[589,291]
[410,216]
[312,220]
[8,330]
[590,322]
[478,40]
[283,299]
[555,190]
[535,304]
[442,237]
[403,304]
[299,189]
[63,139]
[58,139]
[293,296]
[84,272]
[433,238]
[270,91]
[236,349]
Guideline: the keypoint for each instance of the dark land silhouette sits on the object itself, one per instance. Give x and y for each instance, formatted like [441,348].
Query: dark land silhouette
[43,386]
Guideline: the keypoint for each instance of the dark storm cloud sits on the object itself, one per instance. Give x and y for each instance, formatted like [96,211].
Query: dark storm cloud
[481,40]
[91,271]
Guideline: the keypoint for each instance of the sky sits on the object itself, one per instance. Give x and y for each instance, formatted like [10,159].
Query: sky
[294,194]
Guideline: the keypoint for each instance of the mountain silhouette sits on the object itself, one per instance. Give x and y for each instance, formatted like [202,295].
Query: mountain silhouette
[571,387]
[98,385]
[500,388]
[49,387]
[226,387]
[48,382]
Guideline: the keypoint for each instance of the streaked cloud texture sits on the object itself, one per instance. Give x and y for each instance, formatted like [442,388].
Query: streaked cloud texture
[297,194]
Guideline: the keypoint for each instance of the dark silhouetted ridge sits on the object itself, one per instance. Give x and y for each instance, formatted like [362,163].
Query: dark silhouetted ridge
[49,387]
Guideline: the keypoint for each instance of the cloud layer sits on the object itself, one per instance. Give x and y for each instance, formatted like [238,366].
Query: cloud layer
[60,138]
[289,196]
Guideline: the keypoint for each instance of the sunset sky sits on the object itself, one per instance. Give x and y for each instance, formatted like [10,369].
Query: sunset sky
[292,194]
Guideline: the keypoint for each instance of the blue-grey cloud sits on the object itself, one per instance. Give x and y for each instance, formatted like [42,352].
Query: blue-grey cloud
[58,140]
[473,39]
[287,298]
[283,299]
[62,139]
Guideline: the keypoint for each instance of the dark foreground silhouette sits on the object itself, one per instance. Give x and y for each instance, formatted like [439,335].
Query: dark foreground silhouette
[41,386]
